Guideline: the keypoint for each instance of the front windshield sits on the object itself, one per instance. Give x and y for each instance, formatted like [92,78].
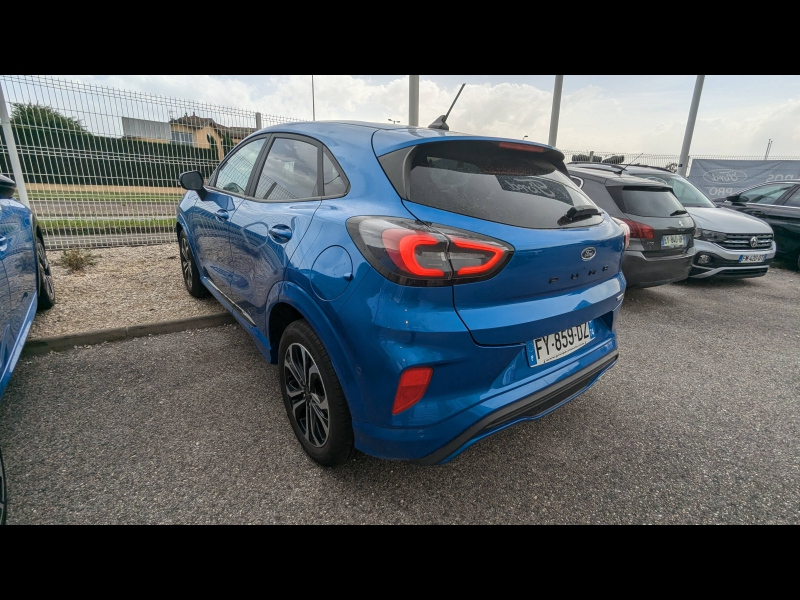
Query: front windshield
[688,195]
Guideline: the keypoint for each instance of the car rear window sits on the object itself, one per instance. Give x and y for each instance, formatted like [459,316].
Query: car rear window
[494,181]
[650,201]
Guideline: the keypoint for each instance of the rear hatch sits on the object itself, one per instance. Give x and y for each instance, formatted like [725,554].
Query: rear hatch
[660,225]
[565,267]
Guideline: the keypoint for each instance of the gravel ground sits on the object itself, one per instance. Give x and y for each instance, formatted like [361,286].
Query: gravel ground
[127,286]
[698,423]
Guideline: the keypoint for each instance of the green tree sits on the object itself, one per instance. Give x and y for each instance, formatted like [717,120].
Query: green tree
[227,143]
[37,115]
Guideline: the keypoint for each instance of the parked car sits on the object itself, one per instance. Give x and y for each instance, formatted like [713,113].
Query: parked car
[26,282]
[3,497]
[419,289]
[730,245]
[661,246]
[778,204]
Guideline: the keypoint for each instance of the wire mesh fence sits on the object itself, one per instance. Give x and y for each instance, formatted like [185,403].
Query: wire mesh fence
[665,161]
[101,165]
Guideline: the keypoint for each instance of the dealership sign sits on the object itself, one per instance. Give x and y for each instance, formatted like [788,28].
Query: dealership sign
[720,178]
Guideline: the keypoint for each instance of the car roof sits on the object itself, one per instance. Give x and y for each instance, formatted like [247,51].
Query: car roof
[616,176]
[393,137]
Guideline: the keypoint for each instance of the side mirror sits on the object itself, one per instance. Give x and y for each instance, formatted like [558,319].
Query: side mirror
[734,198]
[7,187]
[193,180]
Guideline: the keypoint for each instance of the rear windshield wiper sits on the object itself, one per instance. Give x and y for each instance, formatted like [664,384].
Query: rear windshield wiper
[679,212]
[578,213]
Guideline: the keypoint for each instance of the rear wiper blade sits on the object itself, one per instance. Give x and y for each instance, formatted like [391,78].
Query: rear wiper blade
[578,213]
[679,212]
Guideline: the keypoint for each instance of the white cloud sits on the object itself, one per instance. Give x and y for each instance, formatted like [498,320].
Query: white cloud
[643,120]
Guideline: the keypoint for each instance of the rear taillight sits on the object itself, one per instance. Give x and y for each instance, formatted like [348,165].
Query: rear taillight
[626,230]
[413,253]
[640,231]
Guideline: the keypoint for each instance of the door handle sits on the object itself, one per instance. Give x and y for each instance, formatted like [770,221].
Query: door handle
[221,214]
[280,233]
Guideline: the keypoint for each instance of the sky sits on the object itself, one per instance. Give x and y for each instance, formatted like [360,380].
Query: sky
[632,113]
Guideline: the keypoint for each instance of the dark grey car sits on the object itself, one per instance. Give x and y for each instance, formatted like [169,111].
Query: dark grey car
[662,231]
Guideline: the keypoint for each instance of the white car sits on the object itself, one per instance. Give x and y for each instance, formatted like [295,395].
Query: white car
[730,244]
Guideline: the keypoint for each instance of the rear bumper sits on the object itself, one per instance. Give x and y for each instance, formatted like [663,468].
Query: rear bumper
[641,271]
[442,441]
[529,408]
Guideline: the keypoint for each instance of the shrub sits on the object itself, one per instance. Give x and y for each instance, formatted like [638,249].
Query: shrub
[76,259]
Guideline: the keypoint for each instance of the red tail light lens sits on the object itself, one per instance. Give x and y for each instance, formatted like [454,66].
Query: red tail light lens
[523,147]
[640,230]
[414,251]
[625,229]
[418,254]
[471,257]
[411,388]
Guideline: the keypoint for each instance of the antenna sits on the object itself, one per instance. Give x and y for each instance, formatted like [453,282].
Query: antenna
[440,123]
[630,163]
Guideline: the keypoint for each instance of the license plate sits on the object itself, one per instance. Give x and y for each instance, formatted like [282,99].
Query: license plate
[551,347]
[672,241]
[748,258]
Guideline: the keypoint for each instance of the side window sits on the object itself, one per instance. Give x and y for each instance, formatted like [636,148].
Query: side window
[332,180]
[766,194]
[235,173]
[794,200]
[290,171]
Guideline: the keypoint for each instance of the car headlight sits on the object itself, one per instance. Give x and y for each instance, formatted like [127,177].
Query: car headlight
[709,236]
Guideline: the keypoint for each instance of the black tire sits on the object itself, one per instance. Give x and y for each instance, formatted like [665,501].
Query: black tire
[47,292]
[191,274]
[302,393]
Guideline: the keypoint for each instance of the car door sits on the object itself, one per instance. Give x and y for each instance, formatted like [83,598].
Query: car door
[19,261]
[6,342]
[268,225]
[209,218]
[784,219]
[758,199]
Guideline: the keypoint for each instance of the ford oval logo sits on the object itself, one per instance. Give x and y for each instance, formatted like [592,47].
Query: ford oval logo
[588,253]
[725,176]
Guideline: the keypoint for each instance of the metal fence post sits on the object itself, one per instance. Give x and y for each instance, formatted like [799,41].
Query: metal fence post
[556,109]
[11,144]
[258,121]
[683,161]
[413,100]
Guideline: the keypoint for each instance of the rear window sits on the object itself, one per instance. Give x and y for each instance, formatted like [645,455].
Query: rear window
[481,179]
[650,202]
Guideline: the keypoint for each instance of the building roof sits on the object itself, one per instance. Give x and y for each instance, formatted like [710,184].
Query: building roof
[199,122]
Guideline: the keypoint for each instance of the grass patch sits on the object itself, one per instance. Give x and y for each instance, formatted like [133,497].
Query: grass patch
[77,259]
[107,225]
[117,197]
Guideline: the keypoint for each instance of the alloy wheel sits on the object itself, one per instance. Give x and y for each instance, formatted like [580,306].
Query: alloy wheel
[186,261]
[309,403]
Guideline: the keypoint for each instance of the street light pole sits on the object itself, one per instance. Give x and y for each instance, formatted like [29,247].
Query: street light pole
[413,100]
[16,167]
[313,107]
[683,161]
[551,140]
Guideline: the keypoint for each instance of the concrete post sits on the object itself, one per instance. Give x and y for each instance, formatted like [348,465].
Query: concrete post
[413,100]
[16,167]
[683,161]
[258,122]
[551,140]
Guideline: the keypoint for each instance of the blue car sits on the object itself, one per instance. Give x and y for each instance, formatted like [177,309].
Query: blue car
[419,289]
[26,282]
